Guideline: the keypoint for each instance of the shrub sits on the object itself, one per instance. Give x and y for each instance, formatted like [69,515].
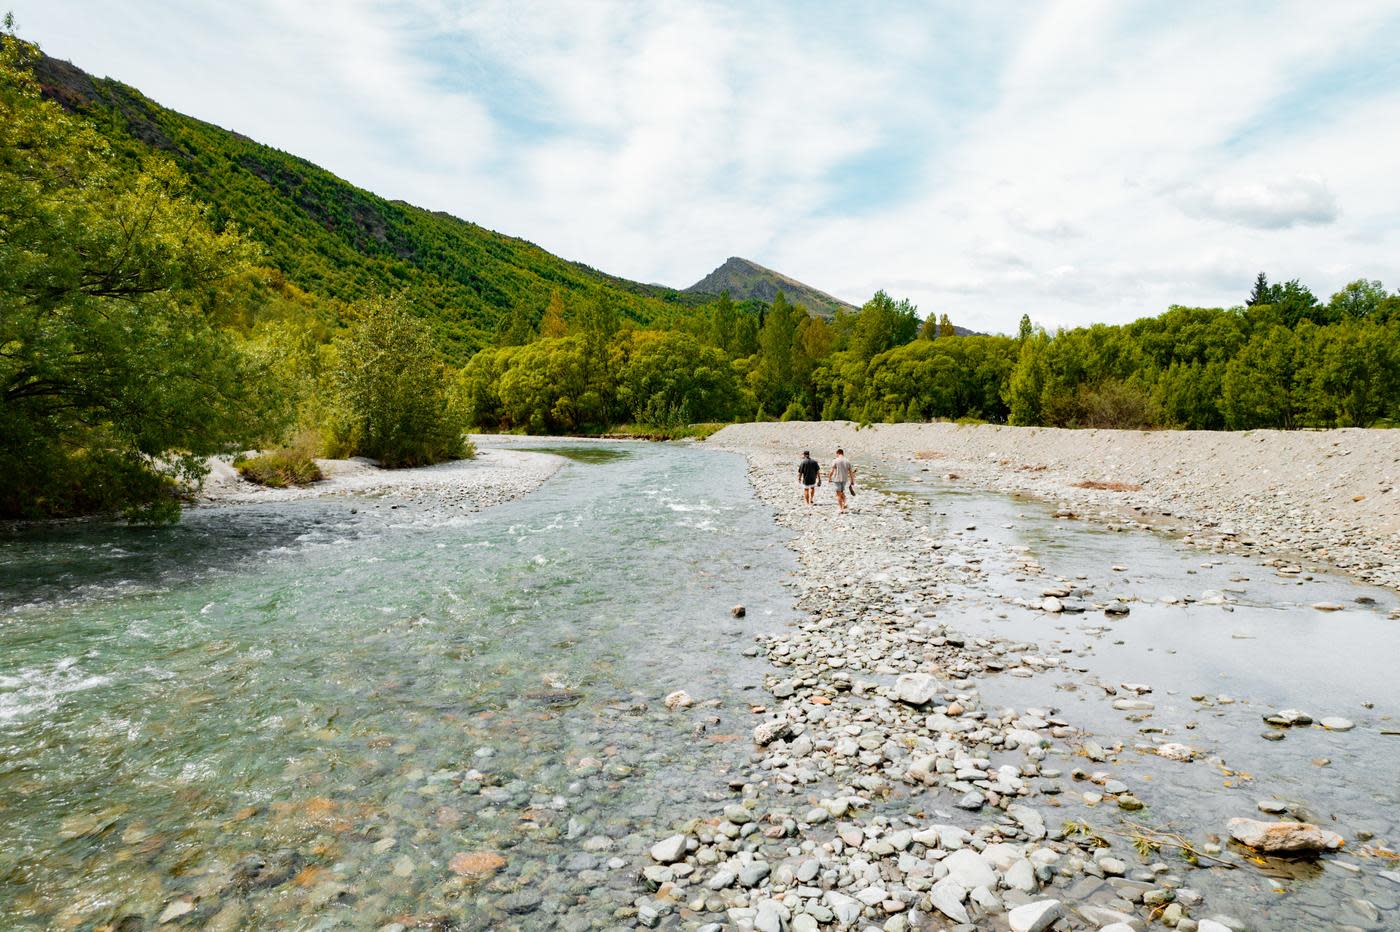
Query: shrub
[390,400]
[279,468]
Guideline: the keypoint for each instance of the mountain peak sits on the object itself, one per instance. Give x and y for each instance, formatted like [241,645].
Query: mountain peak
[745,279]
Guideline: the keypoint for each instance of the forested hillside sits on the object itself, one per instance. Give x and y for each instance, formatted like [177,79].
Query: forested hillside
[170,290]
[336,241]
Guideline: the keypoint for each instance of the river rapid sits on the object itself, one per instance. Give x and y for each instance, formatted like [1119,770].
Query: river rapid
[297,715]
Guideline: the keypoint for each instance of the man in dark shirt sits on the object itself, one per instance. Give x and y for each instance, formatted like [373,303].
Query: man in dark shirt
[808,472]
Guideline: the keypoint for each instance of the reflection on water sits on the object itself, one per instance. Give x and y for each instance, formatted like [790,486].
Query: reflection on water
[580,452]
[287,714]
[1221,640]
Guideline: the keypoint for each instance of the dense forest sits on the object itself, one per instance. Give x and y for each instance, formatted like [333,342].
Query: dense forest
[1282,359]
[170,291]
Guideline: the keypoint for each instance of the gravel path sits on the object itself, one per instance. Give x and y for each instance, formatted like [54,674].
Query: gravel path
[1325,497]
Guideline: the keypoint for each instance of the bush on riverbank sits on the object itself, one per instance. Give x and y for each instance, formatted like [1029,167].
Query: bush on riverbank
[388,392]
[279,468]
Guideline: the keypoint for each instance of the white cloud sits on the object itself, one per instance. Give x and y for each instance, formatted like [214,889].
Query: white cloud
[1077,162]
[1265,205]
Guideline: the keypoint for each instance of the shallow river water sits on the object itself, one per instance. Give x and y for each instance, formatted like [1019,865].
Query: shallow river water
[342,713]
[298,715]
[1214,670]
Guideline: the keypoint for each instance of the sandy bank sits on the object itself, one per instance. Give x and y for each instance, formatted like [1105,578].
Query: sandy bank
[495,476]
[1324,496]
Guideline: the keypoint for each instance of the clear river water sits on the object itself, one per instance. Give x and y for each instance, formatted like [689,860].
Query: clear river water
[275,710]
[347,712]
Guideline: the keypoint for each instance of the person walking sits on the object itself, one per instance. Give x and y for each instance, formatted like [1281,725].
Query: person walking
[808,474]
[840,474]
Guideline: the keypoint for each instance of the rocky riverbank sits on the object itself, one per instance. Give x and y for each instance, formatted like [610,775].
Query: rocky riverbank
[1302,498]
[492,477]
[885,791]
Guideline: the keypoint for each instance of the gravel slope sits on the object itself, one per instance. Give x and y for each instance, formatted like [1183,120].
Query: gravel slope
[1327,497]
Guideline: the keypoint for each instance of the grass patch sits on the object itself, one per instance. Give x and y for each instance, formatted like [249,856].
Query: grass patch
[279,468]
[680,432]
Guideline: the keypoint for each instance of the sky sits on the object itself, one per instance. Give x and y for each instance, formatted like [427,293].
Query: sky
[1079,162]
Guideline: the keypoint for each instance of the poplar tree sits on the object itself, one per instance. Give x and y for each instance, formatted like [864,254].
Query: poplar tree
[552,325]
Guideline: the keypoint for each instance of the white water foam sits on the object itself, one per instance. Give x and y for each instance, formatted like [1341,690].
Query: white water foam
[42,688]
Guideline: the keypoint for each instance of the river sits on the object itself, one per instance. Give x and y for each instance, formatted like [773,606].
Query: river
[267,711]
[351,712]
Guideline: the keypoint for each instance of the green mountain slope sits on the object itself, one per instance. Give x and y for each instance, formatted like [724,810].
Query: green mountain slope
[748,280]
[338,241]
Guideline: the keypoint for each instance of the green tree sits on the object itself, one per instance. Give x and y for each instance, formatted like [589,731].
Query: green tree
[388,390]
[516,328]
[945,327]
[1358,300]
[114,384]
[1348,374]
[746,336]
[671,379]
[883,324]
[1260,293]
[1025,388]
[546,388]
[1258,385]
[724,325]
[475,396]
[1023,333]
[773,378]
[928,330]
[598,320]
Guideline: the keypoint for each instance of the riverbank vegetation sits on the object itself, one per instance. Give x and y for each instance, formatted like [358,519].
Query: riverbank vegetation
[170,291]
[278,469]
[1282,359]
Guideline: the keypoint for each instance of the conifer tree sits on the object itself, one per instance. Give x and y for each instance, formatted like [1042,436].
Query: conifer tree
[1261,293]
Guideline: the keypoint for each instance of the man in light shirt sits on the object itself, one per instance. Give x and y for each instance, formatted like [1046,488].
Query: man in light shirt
[840,475]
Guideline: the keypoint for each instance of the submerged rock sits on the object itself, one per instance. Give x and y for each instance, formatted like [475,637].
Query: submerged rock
[476,863]
[255,871]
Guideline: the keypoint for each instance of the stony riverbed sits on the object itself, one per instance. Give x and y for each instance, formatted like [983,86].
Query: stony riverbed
[893,785]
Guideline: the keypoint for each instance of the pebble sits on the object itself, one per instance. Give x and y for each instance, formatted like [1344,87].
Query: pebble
[1035,917]
[669,850]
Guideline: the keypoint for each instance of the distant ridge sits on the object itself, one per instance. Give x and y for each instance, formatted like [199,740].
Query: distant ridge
[744,280]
